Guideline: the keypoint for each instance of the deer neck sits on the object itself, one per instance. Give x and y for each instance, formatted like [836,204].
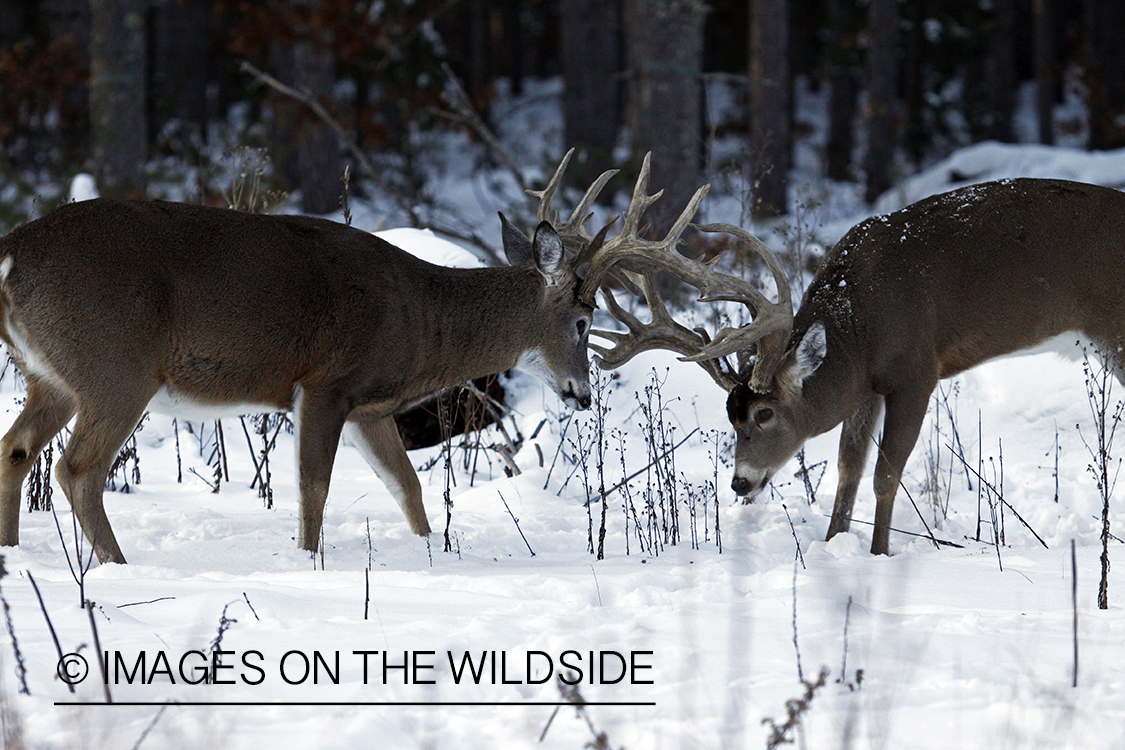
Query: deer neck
[478,322]
[838,387]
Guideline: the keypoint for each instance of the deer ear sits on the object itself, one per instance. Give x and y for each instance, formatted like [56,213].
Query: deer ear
[547,249]
[811,351]
[517,248]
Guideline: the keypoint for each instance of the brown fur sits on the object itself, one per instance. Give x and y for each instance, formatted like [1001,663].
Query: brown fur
[106,302]
[925,293]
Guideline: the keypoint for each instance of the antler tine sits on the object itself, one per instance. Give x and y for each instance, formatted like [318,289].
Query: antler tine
[582,210]
[573,232]
[548,193]
[784,295]
[662,333]
[641,200]
[589,249]
[731,340]
[636,253]
[773,322]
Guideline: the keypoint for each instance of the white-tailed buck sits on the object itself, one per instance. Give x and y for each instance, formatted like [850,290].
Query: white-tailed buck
[902,301]
[114,307]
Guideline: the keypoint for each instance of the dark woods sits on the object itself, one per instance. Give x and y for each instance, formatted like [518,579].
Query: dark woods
[109,86]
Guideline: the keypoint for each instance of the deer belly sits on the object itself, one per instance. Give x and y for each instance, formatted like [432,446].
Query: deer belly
[175,403]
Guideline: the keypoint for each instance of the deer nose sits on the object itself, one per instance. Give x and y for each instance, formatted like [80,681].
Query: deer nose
[576,394]
[741,486]
[574,399]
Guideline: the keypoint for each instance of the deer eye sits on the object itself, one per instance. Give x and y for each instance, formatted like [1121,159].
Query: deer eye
[763,415]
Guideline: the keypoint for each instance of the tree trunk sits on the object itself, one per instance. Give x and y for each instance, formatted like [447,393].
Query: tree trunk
[882,73]
[1105,72]
[1000,79]
[916,69]
[59,19]
[843,85]
[117,95]
[181,63]
[1046,69]
[319,169]
[591,71]
[512,44]
[771,142]
[664,41]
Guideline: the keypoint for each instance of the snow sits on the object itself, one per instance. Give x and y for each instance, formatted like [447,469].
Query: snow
[968,646]
[990,160]
[83,187]
[426,245]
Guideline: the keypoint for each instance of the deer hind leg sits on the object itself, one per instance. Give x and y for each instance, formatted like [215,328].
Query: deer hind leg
[855,441]
[99,433]
[47,410]
[320,421]
[905,412]
[380,444]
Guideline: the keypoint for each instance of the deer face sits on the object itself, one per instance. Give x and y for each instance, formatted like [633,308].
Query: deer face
[561,360]
[771,427]
[766,438]
[562,329]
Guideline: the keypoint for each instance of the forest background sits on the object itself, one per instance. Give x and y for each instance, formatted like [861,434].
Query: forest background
[145,93]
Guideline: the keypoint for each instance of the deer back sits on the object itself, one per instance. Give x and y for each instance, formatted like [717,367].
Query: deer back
[959,278]
[230,307]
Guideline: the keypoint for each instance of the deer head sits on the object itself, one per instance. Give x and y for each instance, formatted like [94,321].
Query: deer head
[766,380]
[560,358]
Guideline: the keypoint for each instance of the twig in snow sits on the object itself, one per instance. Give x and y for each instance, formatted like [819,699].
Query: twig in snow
[985,483]
[516,521]
[98,646]
[50,625]
[1074,604]
[151,724]
[796,541]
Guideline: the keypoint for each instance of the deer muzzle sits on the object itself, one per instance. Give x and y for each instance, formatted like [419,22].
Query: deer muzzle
[749,484]
[576,396]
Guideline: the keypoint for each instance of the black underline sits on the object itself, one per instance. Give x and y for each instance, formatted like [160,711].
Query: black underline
[357,703]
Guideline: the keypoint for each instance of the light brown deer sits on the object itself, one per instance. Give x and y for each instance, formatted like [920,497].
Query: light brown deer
[114,307]
[902,301]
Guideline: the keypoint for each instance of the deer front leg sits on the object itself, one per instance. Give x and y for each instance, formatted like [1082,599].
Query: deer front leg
[379,442]
[905,412]
[104,424]
[855,441]
[320,421]
[47,410]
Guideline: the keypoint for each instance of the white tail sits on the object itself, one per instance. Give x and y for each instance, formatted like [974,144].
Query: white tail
[114,307]
[903,301]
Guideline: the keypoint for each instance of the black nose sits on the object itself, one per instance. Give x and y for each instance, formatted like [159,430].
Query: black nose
[741,486]
[583,401]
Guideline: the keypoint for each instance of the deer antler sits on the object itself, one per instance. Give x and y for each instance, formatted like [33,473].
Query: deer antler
[638,259]
[772,321]
[662,333]
[573,232]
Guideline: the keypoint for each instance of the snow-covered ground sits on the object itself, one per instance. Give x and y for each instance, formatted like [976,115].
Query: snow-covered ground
[693,644]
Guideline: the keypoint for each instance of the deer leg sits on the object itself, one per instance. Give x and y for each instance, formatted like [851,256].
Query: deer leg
[46,411]
[320,421]
[855,440]
[902,422]
[98,435]
[379,442]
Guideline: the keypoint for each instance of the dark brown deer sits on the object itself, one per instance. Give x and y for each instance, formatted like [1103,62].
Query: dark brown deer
[902,301]
[111,308]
